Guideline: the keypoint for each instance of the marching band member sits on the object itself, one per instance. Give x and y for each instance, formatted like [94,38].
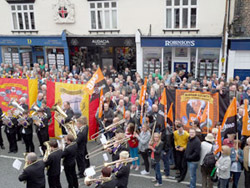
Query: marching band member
[47,115]
[1,123]
[82,139]
[27,132]
[23,103]
[33,174]
[42,129]
[107,118]
[107,180]
[69,157]
[10,129]
[118,147]
[70,113]
[122,170]
[54,165]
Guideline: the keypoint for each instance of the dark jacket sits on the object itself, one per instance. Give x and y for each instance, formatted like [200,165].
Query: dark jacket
[157,152]
[109,115]
[25,106]
[54,163]
[167,139]
[34,175]
[108,184]
[122,176]
[28,129]
[82,139]
[69,154]
[70,114]
[13,128]
[193,149]
[116,153]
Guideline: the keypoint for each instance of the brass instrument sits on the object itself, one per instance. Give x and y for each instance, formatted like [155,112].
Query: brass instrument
[6,120]
[38,121]
[70,128]
[104,147]
[128,160]
[35,108]
[107,129]
[18,107]
[47,152]
[26,161]
[59,113]
[88,181]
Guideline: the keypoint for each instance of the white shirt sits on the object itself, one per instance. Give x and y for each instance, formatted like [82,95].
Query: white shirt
[205,149]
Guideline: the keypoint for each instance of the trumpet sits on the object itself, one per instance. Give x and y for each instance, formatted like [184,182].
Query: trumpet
[88,181]
[128,160]
[107,129]
[104,147]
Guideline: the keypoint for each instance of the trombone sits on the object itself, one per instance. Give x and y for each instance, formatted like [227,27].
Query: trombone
[89,181]
[104,147]
[107,129]
[128,160]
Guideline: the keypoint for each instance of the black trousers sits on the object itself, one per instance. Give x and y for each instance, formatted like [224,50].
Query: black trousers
[70,172]
[145,159]
[29,145]
[42,137]
[12,141]
[54,181]
[1,138]
[80,160]
[181,163]
[18,132]
[247,178]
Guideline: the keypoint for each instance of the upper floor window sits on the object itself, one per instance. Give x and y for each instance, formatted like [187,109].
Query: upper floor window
[103,15]
[181,14]
[23,17]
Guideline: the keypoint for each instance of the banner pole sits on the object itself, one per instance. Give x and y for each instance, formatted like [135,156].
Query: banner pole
[208,118]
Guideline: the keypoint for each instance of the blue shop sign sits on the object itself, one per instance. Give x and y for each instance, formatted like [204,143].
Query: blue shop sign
[31,41]
[240,44]
[214,42]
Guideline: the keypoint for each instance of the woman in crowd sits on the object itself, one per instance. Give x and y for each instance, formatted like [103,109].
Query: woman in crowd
[223,167]
[236,162]
[133,146]
[144,138]
[156,146]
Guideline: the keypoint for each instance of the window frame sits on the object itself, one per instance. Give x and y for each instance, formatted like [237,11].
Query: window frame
[23,12]
[180,7]
[103,9]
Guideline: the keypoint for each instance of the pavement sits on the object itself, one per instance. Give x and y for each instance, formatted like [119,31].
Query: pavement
[9,175]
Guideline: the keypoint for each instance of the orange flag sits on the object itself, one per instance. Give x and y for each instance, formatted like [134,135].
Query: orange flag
[97,77]
[230,118]
[245,121]
[101,104]
[204,115]
[163,102]
[218,142]
[170,116]
[142,98]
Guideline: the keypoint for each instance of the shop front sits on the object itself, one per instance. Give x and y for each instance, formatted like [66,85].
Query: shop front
[119,52]
[199,56]
[34,49]
[238,58]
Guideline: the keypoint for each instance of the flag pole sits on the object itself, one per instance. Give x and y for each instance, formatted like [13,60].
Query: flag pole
[208,117]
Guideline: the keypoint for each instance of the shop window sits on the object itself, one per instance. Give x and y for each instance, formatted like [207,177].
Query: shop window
[103,15]
[167,60]
[181,14]
[151,60]
[208,63]
[23,17]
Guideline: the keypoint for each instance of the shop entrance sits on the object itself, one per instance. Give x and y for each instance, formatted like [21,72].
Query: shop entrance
[181,59]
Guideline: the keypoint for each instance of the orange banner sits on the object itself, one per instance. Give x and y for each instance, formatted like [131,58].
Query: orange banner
[245,121]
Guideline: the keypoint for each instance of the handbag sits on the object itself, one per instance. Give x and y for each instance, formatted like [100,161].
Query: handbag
[213,175]
[153,163]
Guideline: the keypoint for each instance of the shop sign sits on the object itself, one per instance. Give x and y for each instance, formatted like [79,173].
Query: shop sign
[180,43]
[100,42]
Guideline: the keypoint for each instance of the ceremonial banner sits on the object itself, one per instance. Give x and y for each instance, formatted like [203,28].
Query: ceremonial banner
[190,105]
[15,89]
[229,122]
[245,121]
[75,94]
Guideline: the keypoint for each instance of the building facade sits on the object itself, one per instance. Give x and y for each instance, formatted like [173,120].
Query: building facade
[169,35]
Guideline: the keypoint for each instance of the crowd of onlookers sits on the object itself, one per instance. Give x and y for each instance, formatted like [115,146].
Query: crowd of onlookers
[185,150]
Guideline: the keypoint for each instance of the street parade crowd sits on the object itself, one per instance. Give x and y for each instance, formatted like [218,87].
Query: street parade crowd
[135,140]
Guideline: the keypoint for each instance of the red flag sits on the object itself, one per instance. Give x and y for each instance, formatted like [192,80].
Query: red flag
[245,121]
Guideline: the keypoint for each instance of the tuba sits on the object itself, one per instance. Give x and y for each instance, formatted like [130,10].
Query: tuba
[47,152]
[70,128]
[16,105]
[59,113]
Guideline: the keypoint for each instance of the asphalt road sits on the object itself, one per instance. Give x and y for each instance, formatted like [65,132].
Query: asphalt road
[9,175]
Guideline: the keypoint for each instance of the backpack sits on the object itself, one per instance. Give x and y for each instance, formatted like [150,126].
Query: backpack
[209,161]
